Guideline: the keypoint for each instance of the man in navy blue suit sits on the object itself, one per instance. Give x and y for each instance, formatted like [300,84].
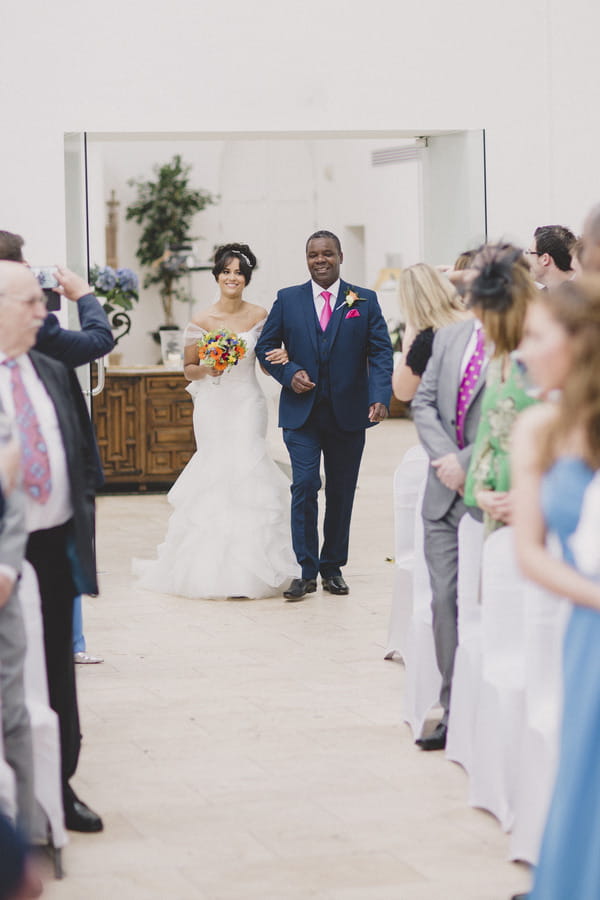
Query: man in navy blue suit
[336,384]
[73,348]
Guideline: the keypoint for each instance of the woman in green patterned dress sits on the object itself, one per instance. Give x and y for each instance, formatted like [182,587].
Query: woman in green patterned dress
[499,296]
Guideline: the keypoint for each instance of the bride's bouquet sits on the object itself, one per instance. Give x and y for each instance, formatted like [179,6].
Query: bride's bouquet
[221,350]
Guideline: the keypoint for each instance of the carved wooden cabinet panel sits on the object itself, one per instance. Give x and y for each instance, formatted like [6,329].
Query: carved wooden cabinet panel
[143,422]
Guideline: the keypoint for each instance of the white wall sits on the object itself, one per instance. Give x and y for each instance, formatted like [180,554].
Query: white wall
[273,193]
[527,72]
[454,196]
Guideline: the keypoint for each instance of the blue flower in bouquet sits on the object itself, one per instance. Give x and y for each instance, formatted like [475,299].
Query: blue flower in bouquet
[128,280]
[106,279]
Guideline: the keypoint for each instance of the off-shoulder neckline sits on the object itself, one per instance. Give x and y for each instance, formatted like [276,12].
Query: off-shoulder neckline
[245,331]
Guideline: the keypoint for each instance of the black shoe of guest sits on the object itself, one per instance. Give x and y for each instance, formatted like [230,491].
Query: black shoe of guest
[519,897]
[299,588]
[78,816]
[335,585]
[436,740]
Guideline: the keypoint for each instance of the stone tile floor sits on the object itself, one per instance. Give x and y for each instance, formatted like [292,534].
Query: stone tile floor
[255,749]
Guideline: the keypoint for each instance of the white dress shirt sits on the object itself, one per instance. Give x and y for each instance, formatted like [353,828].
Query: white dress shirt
[470,348]
[58,509]
[334,290]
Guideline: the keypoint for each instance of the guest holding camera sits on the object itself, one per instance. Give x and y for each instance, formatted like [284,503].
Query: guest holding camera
[73,348]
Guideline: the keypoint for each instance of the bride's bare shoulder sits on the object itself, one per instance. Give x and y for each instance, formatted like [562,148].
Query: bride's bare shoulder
[258,314]
[204,320]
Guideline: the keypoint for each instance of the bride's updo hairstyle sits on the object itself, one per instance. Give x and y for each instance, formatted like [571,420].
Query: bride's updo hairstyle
[241,252]
[500,294]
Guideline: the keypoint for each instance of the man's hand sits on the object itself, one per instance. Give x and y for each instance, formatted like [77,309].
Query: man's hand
[377,412]
[301,383]
[450,472]
[71,285]
[6,585]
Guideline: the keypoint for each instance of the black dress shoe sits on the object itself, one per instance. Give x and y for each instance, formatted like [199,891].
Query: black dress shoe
[299,588]
[79,817]
[519,897]
[335,585]
[436,740]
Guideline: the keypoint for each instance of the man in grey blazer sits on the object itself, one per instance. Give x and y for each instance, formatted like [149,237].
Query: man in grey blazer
[16,728]
[435,413]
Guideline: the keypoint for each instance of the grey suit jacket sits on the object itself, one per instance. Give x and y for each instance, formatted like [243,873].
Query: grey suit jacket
[434,412]
[13,535]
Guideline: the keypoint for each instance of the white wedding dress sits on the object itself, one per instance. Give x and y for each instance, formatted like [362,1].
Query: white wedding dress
[229,534]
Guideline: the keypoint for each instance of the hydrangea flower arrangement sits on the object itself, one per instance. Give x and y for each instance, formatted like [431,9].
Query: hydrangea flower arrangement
[119,287]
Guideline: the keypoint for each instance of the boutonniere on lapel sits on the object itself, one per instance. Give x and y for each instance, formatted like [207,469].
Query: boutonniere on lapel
[351,298]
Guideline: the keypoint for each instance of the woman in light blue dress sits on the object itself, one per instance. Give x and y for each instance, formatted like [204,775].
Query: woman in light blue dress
[556,451]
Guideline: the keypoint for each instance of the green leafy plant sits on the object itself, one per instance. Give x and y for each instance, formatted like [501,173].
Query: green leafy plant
[165,208]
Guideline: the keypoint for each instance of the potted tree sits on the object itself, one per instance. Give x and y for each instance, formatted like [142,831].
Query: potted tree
[165,208]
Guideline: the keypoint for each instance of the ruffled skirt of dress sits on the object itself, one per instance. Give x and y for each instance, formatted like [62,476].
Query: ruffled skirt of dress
[229,534]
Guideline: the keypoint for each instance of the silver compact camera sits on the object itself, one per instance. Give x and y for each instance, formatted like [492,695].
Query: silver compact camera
[46,276]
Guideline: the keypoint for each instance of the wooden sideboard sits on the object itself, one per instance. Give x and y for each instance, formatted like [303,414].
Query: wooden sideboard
[143,420]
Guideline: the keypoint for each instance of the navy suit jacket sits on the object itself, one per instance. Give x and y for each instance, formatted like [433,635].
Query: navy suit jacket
[77,348]
[360,356]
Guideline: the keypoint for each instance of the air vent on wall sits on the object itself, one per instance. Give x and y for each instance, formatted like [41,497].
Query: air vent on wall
[393,155]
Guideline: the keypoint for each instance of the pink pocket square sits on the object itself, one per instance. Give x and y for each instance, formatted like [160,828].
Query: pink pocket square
[352,314]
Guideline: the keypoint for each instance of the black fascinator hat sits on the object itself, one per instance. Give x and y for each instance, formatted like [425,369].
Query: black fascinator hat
[493,286]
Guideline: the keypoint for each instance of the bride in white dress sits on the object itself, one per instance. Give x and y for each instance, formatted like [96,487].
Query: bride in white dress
[229,534]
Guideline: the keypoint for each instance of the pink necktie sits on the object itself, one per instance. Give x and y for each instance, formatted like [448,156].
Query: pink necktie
[467,386]
[326,311]
[34,453]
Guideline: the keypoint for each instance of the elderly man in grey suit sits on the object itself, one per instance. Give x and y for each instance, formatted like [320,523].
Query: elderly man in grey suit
[446,413]
[16,728]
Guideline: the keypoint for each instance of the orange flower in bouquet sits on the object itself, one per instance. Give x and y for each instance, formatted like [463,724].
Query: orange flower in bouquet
[221,350]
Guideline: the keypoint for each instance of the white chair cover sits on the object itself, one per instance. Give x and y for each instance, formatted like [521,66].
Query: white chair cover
[422,681]
[466,679]
[501,707]
[470,549]
[44,722]
[409,479]
[545,621]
